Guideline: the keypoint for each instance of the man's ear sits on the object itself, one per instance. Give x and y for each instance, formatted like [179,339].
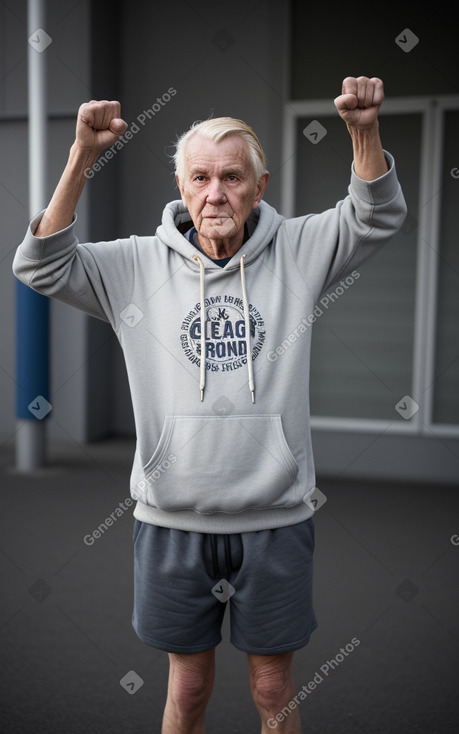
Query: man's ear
[181,189]
[261,188]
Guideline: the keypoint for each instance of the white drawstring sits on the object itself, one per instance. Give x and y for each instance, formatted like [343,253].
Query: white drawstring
[245,300]
[202,380]
[247,330]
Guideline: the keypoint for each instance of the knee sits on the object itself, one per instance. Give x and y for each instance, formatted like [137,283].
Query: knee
[271,686]
[190,686]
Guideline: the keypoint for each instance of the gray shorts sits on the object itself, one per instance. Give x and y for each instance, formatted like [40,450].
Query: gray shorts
[183,582]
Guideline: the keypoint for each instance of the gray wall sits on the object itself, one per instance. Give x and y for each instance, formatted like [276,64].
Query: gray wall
[68,72]
[133,53]
[221,59]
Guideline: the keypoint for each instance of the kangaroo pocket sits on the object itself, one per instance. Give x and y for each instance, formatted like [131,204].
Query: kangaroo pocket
[221,464]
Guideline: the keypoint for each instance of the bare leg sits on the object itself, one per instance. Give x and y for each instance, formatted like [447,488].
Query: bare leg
[191,679]
[272,686]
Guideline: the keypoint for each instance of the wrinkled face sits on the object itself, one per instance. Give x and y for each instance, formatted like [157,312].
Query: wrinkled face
[219,186]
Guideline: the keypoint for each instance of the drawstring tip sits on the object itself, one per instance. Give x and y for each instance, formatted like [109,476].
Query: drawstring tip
[253,395]
[202,394]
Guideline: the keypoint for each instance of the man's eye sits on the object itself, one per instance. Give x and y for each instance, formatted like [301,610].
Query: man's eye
[199,178]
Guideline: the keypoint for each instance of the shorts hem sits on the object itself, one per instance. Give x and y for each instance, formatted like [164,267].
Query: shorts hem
[180,649]
[288,647]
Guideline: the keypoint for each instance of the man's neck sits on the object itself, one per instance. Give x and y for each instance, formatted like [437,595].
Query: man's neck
[223,248]
[218,249]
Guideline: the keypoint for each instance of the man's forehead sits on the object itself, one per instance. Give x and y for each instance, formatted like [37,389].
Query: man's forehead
[204,151]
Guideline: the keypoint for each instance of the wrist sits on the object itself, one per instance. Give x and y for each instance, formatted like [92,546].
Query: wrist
[369,159]
[81,159]
[364,135]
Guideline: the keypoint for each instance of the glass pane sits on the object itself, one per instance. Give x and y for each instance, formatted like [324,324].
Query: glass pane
[446,395]
[332,40]
[362,346]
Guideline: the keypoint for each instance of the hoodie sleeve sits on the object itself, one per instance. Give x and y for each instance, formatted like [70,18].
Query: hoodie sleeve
[330,245]
[96,278]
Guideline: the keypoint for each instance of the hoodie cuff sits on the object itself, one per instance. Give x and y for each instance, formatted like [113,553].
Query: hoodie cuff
[380,190]
[33,247]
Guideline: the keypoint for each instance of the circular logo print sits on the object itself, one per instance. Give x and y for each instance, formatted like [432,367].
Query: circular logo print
[225,333]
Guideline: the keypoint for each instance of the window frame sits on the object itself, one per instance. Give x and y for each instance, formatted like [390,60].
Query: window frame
[432,110]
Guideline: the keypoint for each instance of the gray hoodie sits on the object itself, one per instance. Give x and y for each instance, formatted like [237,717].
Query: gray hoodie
[223,441]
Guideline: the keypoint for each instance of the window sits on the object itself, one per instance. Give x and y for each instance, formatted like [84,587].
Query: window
[394,332]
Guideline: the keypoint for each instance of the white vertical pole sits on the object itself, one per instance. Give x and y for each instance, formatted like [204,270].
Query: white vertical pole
[33,327]
[37,94]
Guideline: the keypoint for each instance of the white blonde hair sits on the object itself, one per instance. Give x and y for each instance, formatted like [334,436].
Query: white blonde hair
[217,129]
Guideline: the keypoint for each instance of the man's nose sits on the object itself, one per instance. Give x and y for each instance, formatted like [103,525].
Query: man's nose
[215,191]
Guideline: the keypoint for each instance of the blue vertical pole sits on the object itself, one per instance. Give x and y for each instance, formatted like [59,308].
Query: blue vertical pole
[33,404]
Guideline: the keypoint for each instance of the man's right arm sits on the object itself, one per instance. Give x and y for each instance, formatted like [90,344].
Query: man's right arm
[50,259]
[99,126]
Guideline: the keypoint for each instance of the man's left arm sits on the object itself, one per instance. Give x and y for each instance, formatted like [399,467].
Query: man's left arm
[328,245]
[358,105]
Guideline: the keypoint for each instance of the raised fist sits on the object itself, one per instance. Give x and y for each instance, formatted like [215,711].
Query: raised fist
[361,98]
[99,125]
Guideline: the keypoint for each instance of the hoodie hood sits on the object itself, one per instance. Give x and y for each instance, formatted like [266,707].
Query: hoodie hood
[262,224]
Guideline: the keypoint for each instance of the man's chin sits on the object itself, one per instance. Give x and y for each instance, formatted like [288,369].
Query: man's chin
[220,231]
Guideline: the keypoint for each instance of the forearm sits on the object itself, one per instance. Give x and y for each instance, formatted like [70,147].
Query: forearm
[369,160]
[61,208]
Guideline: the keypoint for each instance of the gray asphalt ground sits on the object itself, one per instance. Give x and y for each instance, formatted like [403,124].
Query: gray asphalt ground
[386,575]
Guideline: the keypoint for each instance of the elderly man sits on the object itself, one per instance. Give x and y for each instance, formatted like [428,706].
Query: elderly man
[223,469]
